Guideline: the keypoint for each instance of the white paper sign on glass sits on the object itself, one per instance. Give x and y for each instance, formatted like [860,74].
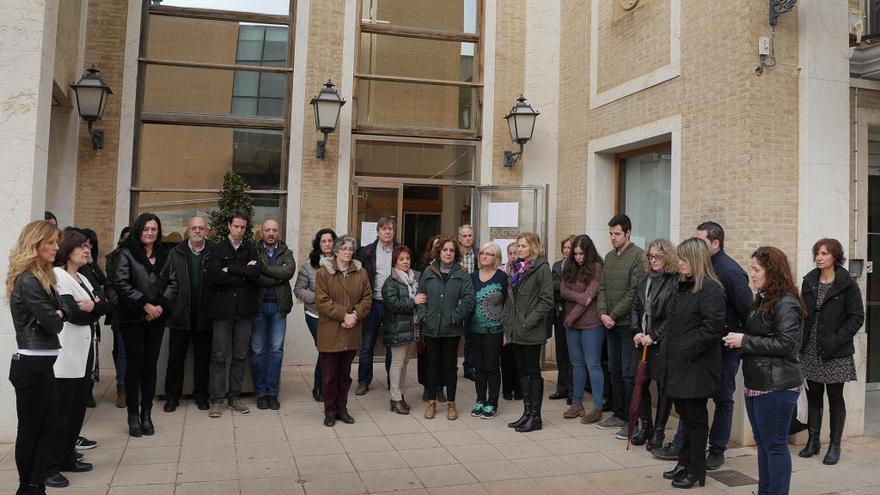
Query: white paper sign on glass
[503,214]
[368,232]
[503,243]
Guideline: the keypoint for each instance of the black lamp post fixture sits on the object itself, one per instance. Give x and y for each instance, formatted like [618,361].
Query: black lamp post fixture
[327,106]
[521,123]
[91,100]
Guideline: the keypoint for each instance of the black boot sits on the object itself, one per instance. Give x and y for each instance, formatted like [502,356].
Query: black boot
[524,386]
[814,425]
[644,433]
[134,426]
[838,420]
[536,396]
[147,422]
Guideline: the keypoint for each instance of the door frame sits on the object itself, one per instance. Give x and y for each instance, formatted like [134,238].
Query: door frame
[539,213]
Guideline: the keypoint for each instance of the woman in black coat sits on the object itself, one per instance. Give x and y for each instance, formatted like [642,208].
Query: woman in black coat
[146,285]
[771,372]
[691,357]
[834,315]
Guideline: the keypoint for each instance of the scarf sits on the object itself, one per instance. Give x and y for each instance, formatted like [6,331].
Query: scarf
[519,269]
[409,278]
[444,268]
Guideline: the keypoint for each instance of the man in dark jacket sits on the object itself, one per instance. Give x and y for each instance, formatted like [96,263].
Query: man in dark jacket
[276,300]
[738,304]
[621,274]
[233,270]
[189,320]
[376,259]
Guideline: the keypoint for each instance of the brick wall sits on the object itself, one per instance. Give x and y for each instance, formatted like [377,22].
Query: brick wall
[740,132]
[639,37]
[96,169]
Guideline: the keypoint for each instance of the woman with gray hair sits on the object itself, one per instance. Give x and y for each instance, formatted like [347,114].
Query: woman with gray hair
[342,297]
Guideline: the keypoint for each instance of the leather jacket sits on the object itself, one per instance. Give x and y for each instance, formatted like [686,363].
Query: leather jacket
[33,314]
[138,282]
[180,316]
[770,345]
[664,286]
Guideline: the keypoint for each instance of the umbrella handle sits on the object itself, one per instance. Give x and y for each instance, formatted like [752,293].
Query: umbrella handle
[644,354]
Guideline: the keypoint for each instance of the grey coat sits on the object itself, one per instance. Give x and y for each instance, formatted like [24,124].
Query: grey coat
[304,288]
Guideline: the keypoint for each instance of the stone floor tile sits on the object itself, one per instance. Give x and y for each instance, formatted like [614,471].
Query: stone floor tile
[619,482]
[316,446]
[474,489]
[139,490]
[188,472]
[365,444]
[208,437]
[467,454]
[522,450]
[98,478]
[569,485]
[450,475]
[453,438]
[390,480]
[589,462]
[373,461]
[162,438]
[635,458]
[148,455]
[334,484]
[271,486]
[226,487]
[437,456]
[495,471]
[399,426]
[356,430]
[417,491]
[563,446]
[538,467]
[262,450]
[201,453]
[501,435]
[323,464]
[150,474]
[312,429]
[282,467]
[513,487]
[413,441]
[249,434]
[547,432]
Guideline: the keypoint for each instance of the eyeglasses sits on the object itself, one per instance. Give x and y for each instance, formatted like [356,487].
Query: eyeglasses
[655,257]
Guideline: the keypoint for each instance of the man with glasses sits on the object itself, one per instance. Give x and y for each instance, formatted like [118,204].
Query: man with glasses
[621,274]
[739,301]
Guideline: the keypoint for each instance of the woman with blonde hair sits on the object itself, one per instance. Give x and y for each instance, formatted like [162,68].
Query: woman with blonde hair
[691,355]
[38,317]
[490,289]
[529,303]
[648,318]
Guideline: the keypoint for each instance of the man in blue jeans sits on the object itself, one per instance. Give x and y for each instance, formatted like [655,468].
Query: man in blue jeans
[739,302]
[376,259]
[276,301]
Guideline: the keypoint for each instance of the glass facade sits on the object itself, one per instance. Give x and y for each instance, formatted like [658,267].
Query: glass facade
[214,99]
[645,182]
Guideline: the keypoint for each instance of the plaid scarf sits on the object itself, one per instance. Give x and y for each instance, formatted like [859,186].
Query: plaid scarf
[519,269]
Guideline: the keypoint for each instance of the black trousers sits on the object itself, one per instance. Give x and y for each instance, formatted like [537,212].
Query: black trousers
[72,395]
[178,345]
[509,380]
[563,364]
[442,365]
[142,342]
[36,404]
[815,399]
[528,360]
[486,350]
[695,420]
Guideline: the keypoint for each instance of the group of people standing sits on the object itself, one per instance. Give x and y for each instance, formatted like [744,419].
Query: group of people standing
[687,312]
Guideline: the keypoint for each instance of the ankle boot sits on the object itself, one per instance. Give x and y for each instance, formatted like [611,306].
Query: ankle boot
[814,426]
[397,406]
[431,409]
[524,386]
[536,394]
[147,421]
[657,438]
[838,420]
[645,432]
[134,426]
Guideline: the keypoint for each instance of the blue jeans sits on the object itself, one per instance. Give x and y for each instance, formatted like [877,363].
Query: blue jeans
[770,415]
[312,323]
[585,354]
[621,369]
[722,421]
[369,332]
[267,346]
[119,357]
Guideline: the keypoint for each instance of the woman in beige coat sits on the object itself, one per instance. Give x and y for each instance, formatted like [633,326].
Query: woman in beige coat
[342,298]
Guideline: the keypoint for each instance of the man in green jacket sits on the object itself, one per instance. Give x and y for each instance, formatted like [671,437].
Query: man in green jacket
[621,274]
[276,301]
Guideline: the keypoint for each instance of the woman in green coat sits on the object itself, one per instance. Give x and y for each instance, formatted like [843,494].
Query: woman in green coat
[450,300]
[401,298]
[529,303]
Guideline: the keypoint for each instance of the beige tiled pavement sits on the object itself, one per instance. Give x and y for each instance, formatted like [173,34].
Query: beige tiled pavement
[291,452]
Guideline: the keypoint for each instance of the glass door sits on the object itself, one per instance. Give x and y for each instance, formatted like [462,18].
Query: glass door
[501,213]
[372,201]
